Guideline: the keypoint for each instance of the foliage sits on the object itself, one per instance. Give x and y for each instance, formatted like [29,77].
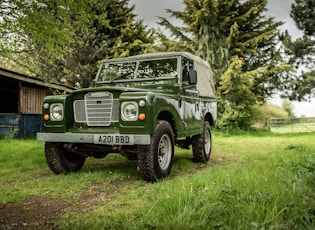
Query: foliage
[223,31]
[71,38]
[237,97]
[301,84]
[302,11]
[288,107]
[267,110]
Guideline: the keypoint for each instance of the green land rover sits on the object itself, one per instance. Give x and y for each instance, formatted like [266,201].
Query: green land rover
[141,107]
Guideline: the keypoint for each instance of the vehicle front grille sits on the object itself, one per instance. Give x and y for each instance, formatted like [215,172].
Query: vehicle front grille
[97,109]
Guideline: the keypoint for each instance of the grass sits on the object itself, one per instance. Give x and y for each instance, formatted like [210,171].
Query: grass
[24,172]
[253,181]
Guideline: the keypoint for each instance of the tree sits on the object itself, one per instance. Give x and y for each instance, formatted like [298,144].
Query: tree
[25,23]
[237,98]
[225,32]
[302,51]
[72,36]
[302,11]
[288,107]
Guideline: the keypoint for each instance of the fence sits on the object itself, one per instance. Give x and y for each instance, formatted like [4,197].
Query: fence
[287,125]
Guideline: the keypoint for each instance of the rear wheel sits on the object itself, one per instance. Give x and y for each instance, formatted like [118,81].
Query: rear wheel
[61,160]
[156,159]
[202,144]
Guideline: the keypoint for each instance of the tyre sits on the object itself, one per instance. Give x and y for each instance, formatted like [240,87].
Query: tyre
[156,159]
[60,160]
[202,144]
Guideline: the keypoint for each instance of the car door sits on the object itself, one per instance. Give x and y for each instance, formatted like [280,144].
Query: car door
[192,116]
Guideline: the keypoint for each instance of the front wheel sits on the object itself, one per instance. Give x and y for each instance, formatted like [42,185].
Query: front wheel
[61,160]
[156,159]
[202,144]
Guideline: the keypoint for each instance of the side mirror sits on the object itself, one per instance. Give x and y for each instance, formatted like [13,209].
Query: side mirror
[192,80]
[86,82]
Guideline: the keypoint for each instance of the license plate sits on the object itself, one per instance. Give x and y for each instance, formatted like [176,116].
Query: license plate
[106,139]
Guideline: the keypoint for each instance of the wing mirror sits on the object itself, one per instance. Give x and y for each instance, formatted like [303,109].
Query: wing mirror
[86,82]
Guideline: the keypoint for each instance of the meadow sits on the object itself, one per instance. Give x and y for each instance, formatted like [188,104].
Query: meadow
[255,180]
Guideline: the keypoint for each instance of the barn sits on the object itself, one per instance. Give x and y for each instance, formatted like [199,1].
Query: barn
[21,98]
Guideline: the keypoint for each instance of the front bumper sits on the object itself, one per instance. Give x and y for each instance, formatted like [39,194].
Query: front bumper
[95,138]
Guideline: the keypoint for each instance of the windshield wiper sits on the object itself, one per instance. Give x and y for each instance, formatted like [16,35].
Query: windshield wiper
[150,76]
[121,76]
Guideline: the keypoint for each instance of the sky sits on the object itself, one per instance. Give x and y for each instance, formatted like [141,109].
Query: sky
[149,10]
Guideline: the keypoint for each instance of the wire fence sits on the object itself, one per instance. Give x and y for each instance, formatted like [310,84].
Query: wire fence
[287,125]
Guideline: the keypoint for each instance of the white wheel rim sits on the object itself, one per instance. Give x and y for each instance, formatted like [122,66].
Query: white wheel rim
[165,152]
[207,142]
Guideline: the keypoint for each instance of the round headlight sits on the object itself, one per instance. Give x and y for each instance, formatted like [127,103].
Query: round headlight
[56,112]
[130,111]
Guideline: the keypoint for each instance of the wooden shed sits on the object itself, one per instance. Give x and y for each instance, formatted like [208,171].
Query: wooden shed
[21,98]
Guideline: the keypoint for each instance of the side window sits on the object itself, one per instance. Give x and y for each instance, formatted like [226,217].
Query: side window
[186,66]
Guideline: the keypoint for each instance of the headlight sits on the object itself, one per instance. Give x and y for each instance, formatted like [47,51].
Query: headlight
[56,112]
[129,111]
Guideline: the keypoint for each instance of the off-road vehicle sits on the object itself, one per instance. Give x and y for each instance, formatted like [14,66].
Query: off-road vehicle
[141,107]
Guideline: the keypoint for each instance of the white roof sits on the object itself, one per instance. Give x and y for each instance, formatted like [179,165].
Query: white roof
[205,83]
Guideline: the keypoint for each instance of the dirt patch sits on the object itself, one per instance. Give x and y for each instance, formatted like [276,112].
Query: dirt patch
[39,212]
[34,212]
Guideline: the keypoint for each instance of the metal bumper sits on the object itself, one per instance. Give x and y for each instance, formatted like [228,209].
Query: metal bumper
[90,138]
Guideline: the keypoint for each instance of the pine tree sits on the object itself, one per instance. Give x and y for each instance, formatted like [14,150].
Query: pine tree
[302,11]
[301,85]
[222,30]
[237,98]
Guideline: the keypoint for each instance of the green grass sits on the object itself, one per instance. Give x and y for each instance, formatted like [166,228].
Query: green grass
[253,181]
[24,172]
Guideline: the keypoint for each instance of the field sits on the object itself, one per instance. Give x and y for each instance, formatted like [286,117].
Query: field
[253,181]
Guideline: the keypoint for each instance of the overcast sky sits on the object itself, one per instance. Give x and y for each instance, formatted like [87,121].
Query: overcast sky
[148,10]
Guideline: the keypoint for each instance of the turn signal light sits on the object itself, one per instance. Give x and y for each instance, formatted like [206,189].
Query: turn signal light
[141,116]
[46,117]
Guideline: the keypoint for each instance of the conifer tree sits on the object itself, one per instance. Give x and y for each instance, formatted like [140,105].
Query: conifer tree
[223,31]
[302,52]
[237,98]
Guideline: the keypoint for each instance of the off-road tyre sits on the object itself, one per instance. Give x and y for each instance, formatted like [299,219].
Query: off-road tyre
[60,160]
[202,144]
[156,159]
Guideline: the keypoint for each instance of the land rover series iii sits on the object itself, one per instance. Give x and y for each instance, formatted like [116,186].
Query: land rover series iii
[141,107]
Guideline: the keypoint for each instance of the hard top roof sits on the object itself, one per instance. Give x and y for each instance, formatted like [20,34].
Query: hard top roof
[160,55]
[205,83]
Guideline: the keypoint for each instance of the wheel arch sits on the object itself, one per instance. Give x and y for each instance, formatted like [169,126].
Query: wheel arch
[167,116]
[210,119]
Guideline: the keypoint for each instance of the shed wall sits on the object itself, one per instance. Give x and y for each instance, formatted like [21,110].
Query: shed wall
[31,99]
[20,125]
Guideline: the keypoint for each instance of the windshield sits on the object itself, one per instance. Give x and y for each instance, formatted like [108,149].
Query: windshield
[137,70]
